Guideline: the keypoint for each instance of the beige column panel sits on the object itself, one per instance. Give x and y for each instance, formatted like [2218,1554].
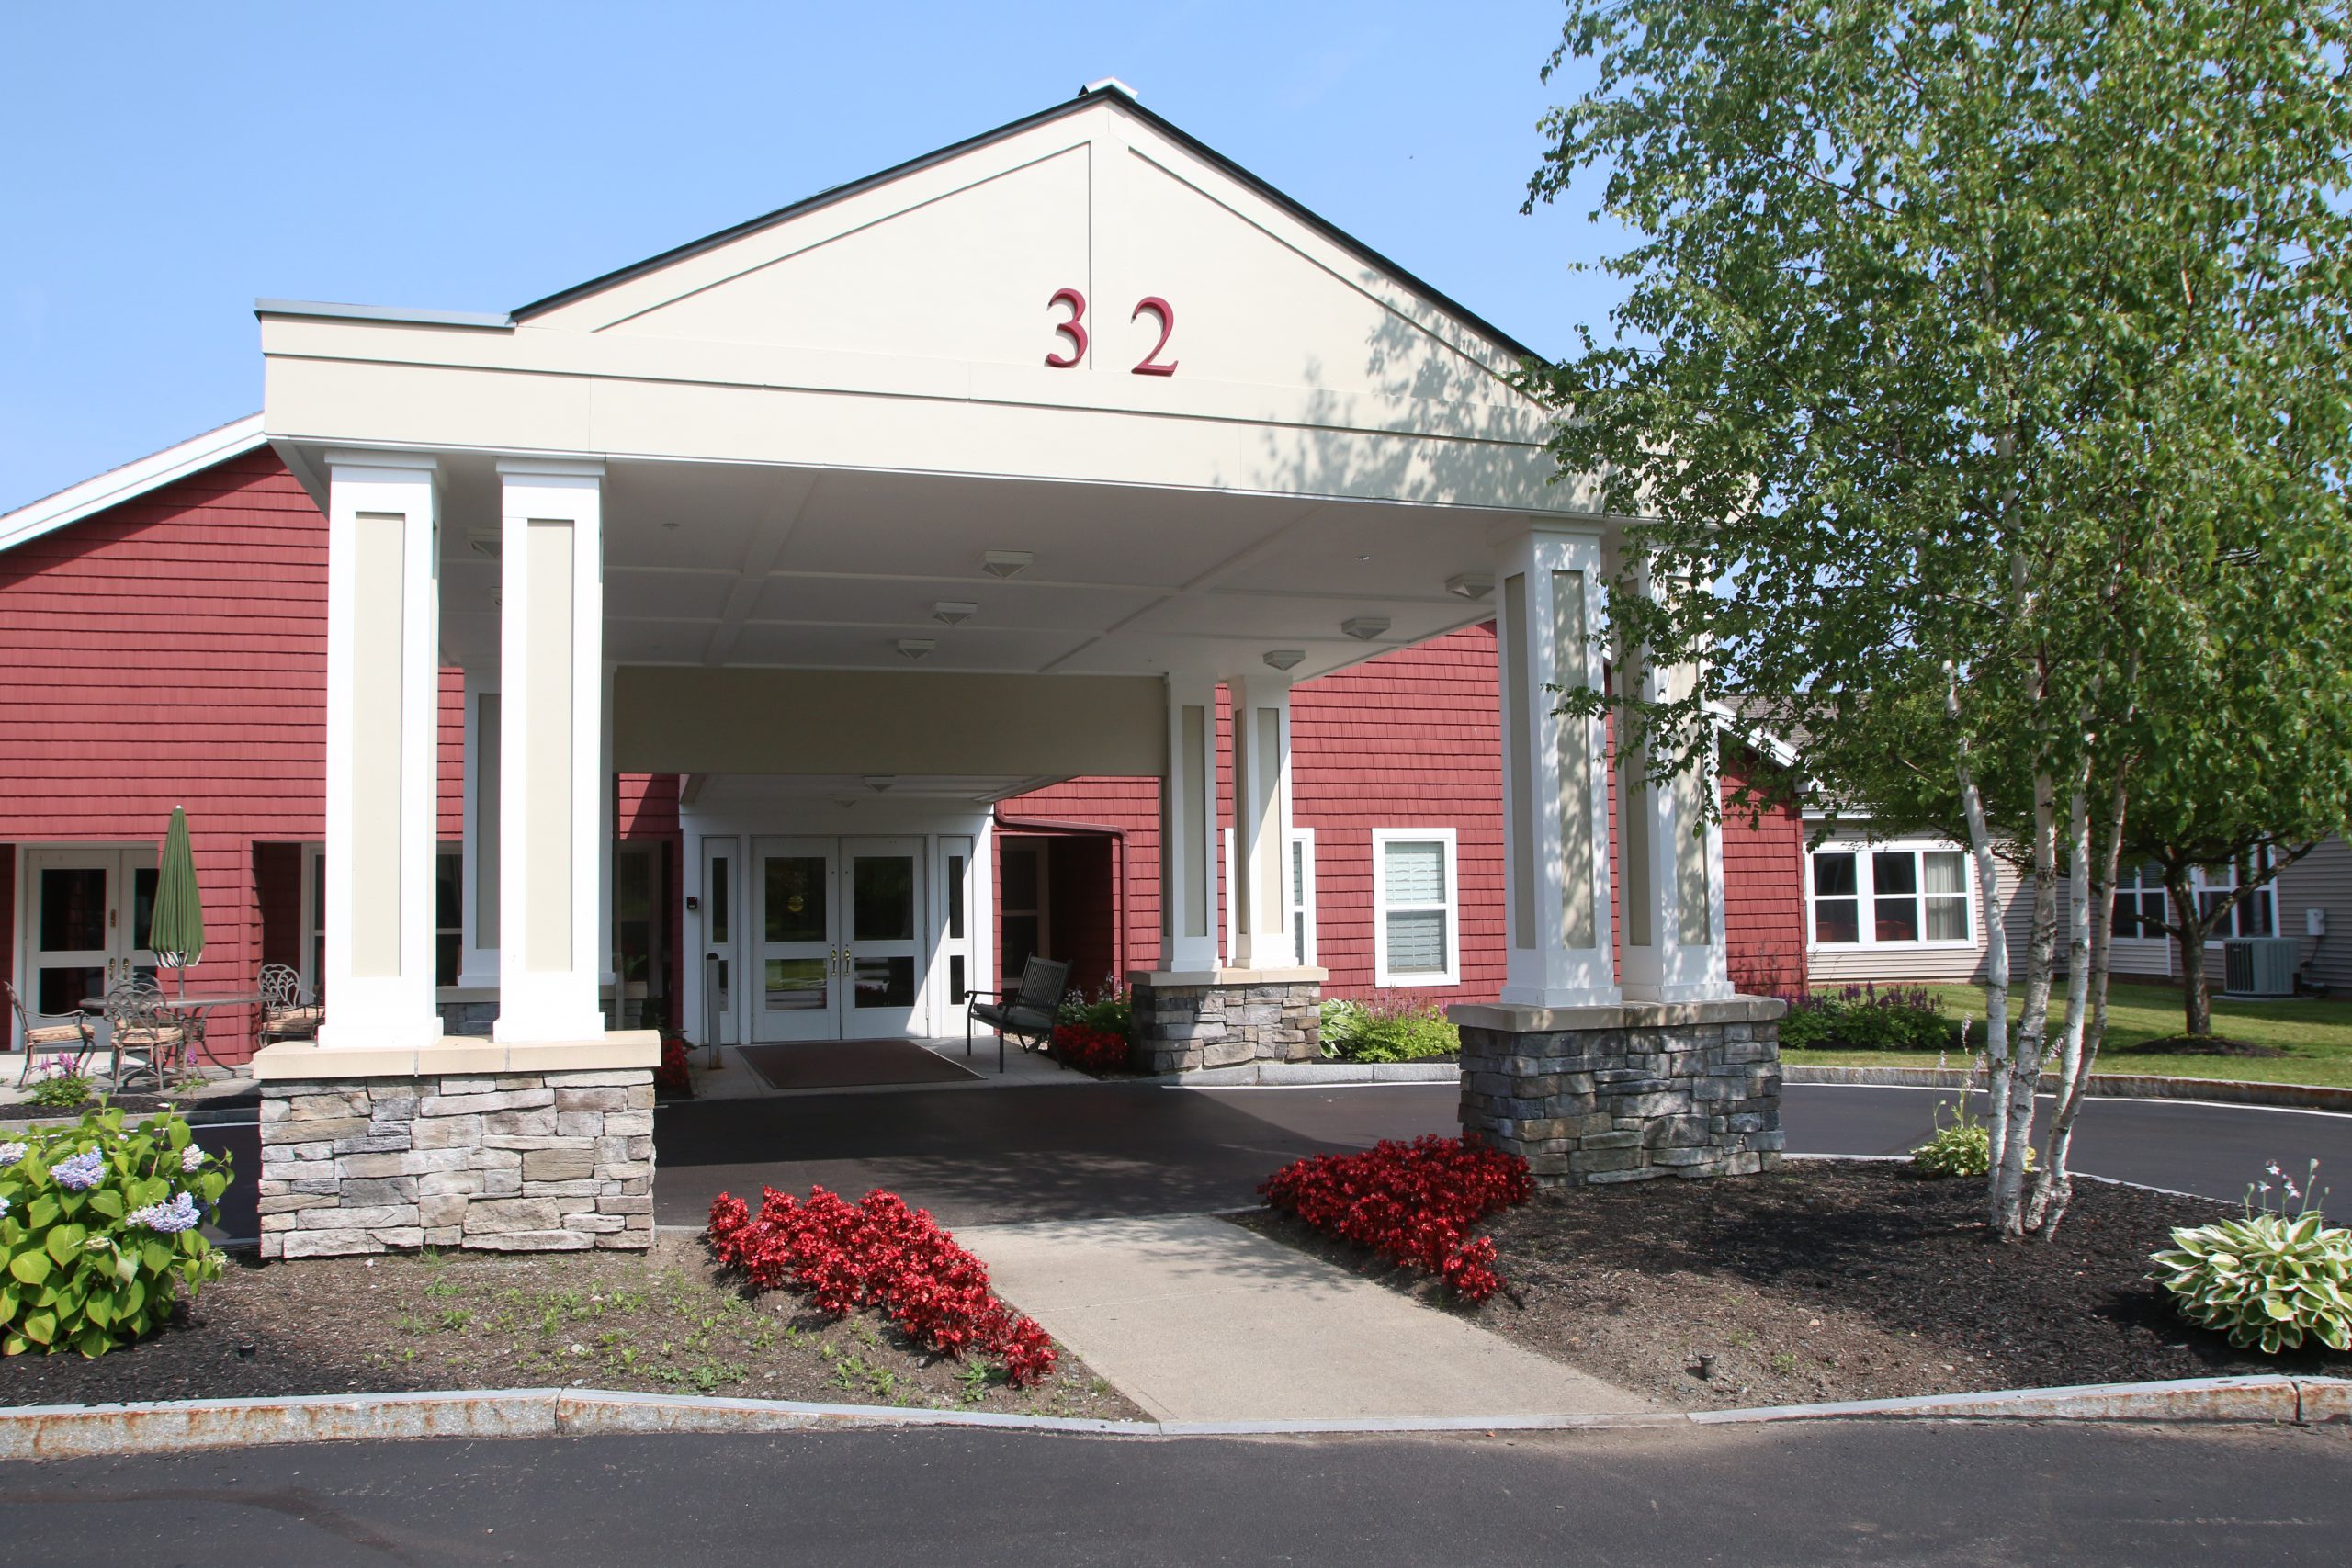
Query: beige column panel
[551,947]
[1555,812]
[1261,821]
[1188,835]
[384,696]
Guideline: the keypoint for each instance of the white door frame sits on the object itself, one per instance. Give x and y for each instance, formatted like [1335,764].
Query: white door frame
[120,863]
[716,938]
[822,1020]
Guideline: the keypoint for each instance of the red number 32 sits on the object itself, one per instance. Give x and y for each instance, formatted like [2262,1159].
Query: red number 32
[1075,329]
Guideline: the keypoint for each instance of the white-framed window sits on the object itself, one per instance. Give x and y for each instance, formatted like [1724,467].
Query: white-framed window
[2140,898]
[2257,915]
[1893,895]
[1415,915]
[1298,887]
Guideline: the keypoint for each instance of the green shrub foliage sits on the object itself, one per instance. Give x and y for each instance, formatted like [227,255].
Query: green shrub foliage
[2268,1280]
[1111,1011]
[98,1231]
[1964,1147]
[1868,1018]
[1383,1031]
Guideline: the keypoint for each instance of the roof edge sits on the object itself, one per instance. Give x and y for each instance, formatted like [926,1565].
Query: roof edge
[130,481]
[330,311]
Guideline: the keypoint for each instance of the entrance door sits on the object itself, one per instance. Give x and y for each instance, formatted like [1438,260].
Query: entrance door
[795,940]
[882,945]
[838,933]
[85,910]
[718,974]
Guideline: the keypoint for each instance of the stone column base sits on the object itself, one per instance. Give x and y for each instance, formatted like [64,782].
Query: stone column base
[535,1158]
[1624,1093]
[1222,1018]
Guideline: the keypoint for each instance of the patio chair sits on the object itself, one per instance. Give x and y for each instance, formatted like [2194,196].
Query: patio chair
[284,1014]
[146,1035]
[70,1036]
[1028,1014]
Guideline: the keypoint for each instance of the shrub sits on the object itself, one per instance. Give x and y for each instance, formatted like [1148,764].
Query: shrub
[1965,1148]
[1411,1202]
[1387,1031]
[2268,1280]
[672,1076]
[878,1252]
[98,1231]
[1867,1018]
[59,1087]
[1091,1050]
[1110,1010]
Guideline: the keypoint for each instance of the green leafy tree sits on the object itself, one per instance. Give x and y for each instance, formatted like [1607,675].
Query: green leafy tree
[1982,366]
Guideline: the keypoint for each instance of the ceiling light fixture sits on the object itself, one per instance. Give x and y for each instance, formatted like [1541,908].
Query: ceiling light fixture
[879,782]
[487,542]
[953,612]
[1470,584]
[1005,563]
[1285,658]
[915,647]
[1363,628]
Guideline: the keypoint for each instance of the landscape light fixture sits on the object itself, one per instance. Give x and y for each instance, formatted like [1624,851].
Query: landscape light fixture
[915,647]
[1285,658]
[953,612]
[1363,628]
[1005,563]
[1470,584]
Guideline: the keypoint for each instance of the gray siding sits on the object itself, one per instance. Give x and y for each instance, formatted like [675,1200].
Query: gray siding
[2323,881]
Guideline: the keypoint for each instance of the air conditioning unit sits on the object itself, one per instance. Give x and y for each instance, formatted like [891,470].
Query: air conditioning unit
[2258,966]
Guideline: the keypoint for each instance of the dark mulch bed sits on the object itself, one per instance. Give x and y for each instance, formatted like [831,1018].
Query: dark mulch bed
[2196,1046]
[668,1321]
[134,1106]
[1835,1281]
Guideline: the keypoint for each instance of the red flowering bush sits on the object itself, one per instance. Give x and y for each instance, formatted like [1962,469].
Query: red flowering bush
[1412,1202]
[877,1252]
[1090,1049]
[672,1077]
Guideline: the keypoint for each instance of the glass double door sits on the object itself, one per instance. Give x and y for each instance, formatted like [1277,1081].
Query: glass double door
[88,910]
[837,930]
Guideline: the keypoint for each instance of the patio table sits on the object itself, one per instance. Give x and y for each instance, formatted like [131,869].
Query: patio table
[196,1007]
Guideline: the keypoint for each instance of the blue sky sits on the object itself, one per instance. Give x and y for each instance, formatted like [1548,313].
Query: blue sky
[167,165]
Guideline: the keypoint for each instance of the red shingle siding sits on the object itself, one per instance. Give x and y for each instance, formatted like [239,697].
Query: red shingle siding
[1130,807]
[8,917]
[451,758]
[1763,898]
[172,650]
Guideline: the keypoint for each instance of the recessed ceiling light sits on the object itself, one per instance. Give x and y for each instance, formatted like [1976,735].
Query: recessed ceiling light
[1285,658]
[1005,563]
[1470,584]
[953,613]
[671,527]
[1364,557]
[915,647]
[1363,628]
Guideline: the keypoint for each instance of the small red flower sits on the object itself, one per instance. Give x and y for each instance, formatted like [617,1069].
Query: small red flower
[1412,1202]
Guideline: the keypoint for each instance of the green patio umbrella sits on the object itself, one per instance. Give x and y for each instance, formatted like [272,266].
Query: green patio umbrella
[175,934]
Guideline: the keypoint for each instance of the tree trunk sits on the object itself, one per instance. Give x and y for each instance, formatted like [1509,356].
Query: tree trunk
[2189,925]
[1996,940]
[2008,1210]
[2057,1191]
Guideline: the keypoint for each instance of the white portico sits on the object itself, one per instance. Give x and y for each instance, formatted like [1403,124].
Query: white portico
[988,470]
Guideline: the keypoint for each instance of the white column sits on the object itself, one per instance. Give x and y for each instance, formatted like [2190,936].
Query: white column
[551,942]
[607,796]
[1673,855]
[383,703]
[1262,822]
[478,962]
[1556,807]
[1188,835]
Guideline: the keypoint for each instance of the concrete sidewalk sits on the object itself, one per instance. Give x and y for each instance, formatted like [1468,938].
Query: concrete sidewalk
[1196,1319]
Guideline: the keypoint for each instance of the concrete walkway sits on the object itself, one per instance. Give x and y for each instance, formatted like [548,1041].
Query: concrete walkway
[1196,1319]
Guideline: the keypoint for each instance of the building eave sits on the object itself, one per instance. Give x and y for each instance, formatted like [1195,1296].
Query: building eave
[130,481]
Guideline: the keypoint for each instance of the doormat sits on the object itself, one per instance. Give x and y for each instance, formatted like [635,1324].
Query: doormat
[850,1063]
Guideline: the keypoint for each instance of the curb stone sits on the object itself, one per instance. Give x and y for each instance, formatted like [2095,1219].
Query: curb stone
[82,1431]
[2103,1086]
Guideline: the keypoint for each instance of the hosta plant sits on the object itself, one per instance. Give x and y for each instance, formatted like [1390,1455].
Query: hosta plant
[1962,1148]
[98,1231]
[2268,1280]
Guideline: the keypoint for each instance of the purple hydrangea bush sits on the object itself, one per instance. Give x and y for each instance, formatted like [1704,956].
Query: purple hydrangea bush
[100,1231]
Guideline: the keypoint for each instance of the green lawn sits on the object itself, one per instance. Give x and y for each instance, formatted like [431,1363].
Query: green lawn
[2316,1036]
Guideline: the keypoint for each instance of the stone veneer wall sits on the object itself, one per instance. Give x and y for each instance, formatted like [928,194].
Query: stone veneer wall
[517,1162]
[1642,1098]
[1184,1028]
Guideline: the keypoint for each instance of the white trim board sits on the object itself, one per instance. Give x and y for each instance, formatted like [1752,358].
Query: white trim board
[130,481]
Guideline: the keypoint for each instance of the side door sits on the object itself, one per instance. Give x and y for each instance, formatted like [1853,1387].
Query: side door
[719,966]
[795,982]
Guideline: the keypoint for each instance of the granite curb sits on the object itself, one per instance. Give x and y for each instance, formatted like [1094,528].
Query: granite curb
[1298,1074]
[78,1431]
[2103,1086]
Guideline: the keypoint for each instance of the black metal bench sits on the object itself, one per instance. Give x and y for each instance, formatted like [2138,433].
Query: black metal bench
[1027,1012]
